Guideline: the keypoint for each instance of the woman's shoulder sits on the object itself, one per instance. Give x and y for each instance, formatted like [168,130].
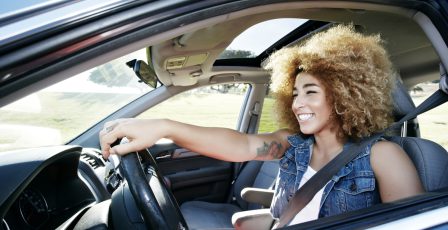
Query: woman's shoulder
[386,151]
[382,147]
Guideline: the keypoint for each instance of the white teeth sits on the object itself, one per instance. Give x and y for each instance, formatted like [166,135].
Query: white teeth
[304,117]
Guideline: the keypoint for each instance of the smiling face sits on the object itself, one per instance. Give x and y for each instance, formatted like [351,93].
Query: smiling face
[310,105]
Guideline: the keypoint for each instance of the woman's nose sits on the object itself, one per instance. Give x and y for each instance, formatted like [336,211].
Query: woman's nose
[297,103]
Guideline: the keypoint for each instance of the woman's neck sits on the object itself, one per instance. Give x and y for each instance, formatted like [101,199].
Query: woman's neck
[325,148]
[329,145]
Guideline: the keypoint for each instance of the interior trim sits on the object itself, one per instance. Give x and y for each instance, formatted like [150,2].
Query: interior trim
[434,36]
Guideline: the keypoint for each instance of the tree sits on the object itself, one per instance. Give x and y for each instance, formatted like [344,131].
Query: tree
[227,54]
[236,54]
[230,88]
[417,89]
[114,73]
[223,88]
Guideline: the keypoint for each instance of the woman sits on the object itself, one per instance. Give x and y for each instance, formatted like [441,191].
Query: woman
[332,91]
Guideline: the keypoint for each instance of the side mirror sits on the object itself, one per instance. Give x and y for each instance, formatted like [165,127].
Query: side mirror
[144,72]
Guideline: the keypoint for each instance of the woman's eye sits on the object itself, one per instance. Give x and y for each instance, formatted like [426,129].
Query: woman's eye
[294,95]
[310,92]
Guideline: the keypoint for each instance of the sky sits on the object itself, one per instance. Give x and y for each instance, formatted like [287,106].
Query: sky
[13,5]
[260,36]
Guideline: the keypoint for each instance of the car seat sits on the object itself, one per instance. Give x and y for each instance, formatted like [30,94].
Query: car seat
[200,214]
[429,158]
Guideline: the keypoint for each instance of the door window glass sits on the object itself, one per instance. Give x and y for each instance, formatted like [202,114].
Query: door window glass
[433,125]
[212,106]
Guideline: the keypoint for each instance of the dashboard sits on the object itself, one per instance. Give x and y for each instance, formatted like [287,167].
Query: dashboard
[47,188]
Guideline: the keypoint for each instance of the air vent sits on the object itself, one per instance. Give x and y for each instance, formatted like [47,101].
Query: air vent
[93,161]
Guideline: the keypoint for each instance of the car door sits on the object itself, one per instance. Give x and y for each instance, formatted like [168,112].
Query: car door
[190,175]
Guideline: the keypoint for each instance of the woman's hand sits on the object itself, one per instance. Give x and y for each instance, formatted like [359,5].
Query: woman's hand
[141,134]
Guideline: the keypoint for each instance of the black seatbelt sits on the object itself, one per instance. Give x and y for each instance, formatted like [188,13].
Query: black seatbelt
[306,193]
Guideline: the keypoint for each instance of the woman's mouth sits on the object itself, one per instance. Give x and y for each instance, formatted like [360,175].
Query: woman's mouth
[305,116]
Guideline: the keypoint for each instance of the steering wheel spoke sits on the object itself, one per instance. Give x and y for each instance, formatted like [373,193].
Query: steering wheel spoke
[157,205]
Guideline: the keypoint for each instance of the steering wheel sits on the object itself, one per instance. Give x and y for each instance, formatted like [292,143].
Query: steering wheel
[155,202]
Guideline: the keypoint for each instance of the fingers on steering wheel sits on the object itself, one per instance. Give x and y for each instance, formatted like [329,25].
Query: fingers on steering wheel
[108,135]
[112,131]
[131,146]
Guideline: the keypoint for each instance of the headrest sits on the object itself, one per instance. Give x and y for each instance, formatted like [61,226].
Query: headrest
[403,103]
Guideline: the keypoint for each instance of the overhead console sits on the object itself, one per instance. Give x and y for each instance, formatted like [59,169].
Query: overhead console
[185,70]
[183,60]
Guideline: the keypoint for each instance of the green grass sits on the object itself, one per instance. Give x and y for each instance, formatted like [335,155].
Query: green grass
[65,112]
[433,124]
[267,120]
[212,110]
[68,113]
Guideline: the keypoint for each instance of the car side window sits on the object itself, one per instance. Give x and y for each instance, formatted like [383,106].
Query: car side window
[432,124]
[211,106]
[268,122]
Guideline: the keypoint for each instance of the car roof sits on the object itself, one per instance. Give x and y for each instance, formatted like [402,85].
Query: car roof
[408,45]
[90,28]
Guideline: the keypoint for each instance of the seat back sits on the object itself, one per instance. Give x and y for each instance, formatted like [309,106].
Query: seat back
[429,158]
[257,174]
[403,105]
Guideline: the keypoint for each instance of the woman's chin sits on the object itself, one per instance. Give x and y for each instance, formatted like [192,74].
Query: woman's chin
[306,131]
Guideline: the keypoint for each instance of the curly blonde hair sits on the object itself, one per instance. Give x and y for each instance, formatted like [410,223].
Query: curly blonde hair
[355,71]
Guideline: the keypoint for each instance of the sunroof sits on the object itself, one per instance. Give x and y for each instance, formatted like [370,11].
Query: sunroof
[257,38]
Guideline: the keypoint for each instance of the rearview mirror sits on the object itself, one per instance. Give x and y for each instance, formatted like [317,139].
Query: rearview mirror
[144,72]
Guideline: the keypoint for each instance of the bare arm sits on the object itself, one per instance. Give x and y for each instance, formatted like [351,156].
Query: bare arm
[395,172]
[220,143]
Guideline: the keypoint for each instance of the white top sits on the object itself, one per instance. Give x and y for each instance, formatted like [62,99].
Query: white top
[311,210]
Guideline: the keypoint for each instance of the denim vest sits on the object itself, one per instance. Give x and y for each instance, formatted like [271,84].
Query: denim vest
[352,188]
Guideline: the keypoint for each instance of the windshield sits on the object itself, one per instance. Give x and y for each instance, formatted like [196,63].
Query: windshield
[57,114]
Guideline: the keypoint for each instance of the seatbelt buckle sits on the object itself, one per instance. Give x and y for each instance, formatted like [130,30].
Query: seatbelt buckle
[443,83]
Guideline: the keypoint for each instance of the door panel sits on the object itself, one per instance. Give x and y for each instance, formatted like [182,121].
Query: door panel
[192,176]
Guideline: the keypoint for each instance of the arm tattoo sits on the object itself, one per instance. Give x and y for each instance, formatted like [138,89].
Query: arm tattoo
[274,149]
